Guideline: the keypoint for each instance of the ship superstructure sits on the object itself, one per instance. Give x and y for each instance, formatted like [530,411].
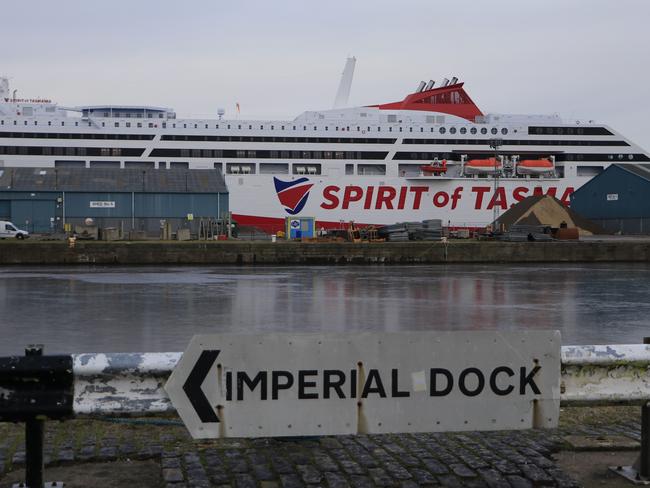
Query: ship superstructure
[434,154]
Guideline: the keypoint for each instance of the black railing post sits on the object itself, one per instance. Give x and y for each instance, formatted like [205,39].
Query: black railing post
[34,437]
[644,458]
[644,469]
[639,472]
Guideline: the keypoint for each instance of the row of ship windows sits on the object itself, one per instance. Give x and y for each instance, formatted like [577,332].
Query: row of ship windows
[232,168]
[149,137]
[248,154]
[188,153]
[533,130]
[296,169]
[123,115]
[361,140]
[517,142]
[242,153]
[441,130]
[152,125]
[304,140]
[266,168]
[350,169]
[424,156]
[320,140]
[73,135]
[70,151]
[560,131]
[117,164]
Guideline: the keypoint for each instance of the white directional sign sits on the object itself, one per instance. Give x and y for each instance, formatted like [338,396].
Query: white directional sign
[325,384]
[102,204]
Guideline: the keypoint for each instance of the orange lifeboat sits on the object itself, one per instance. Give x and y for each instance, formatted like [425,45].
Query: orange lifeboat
[535,167]
[488,166]
[434,168]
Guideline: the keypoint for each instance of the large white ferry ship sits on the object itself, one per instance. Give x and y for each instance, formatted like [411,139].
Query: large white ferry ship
[434,154]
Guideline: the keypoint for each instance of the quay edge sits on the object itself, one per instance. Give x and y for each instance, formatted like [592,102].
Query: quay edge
[308,253]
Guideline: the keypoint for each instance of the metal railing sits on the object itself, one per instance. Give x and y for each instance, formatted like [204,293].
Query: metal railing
[36,387]
[132,383]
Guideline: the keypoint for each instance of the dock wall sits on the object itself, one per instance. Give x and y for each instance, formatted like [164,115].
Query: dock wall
[297,253]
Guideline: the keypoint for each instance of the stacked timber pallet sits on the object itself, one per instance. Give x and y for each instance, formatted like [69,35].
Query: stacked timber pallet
[427,230]
[395,233]
[431,230]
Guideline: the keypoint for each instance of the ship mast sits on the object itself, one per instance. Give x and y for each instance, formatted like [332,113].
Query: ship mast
[343,93]
[4,88]
[495,144]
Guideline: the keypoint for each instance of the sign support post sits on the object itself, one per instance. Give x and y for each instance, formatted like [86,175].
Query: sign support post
[34,437]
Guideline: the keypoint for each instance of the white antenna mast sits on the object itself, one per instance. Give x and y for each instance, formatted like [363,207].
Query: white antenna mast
[343,93]
[4,87]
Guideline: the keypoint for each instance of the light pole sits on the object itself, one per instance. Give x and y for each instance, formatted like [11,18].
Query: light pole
[495,144]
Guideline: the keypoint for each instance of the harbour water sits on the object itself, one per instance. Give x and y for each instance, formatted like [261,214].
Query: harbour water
[88,309]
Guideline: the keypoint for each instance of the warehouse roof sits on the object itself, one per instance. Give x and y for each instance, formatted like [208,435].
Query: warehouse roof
[638,169]
[113,180]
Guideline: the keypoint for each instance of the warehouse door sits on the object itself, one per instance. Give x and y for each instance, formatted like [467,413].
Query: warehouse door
[33,215]
[5,210]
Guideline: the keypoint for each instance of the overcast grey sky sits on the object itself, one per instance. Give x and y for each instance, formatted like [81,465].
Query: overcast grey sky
[583,59]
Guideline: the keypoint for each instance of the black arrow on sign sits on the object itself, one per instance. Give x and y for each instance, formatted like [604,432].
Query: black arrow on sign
[193,390]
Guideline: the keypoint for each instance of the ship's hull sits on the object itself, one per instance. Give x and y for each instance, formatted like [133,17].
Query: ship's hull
[458,202]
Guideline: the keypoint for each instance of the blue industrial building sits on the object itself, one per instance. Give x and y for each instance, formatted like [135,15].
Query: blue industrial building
[618,199]
[42,200]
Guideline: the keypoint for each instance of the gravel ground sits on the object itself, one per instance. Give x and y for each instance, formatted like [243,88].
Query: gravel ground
[138,453]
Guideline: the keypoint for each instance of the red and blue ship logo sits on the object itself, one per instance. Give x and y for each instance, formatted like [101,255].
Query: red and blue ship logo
[293,195]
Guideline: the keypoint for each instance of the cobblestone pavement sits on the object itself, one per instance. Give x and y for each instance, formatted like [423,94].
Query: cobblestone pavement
[494,459]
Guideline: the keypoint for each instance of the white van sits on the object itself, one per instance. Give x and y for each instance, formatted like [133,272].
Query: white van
[8,229]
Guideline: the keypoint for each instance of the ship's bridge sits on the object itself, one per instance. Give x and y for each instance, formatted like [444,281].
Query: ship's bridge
[12,105]
[127,112]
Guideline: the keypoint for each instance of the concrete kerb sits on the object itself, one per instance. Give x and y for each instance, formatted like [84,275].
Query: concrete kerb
[301,253]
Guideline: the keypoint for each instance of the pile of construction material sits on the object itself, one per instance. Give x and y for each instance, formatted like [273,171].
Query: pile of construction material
[524,233]
[427,230]
[86,231]
[395,233]
[546,210]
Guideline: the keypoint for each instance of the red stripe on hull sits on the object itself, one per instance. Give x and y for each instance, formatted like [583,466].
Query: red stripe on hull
[271,225]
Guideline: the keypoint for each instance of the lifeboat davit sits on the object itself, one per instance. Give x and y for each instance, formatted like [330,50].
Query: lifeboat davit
[434,168]
[535,167]
[490,166]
